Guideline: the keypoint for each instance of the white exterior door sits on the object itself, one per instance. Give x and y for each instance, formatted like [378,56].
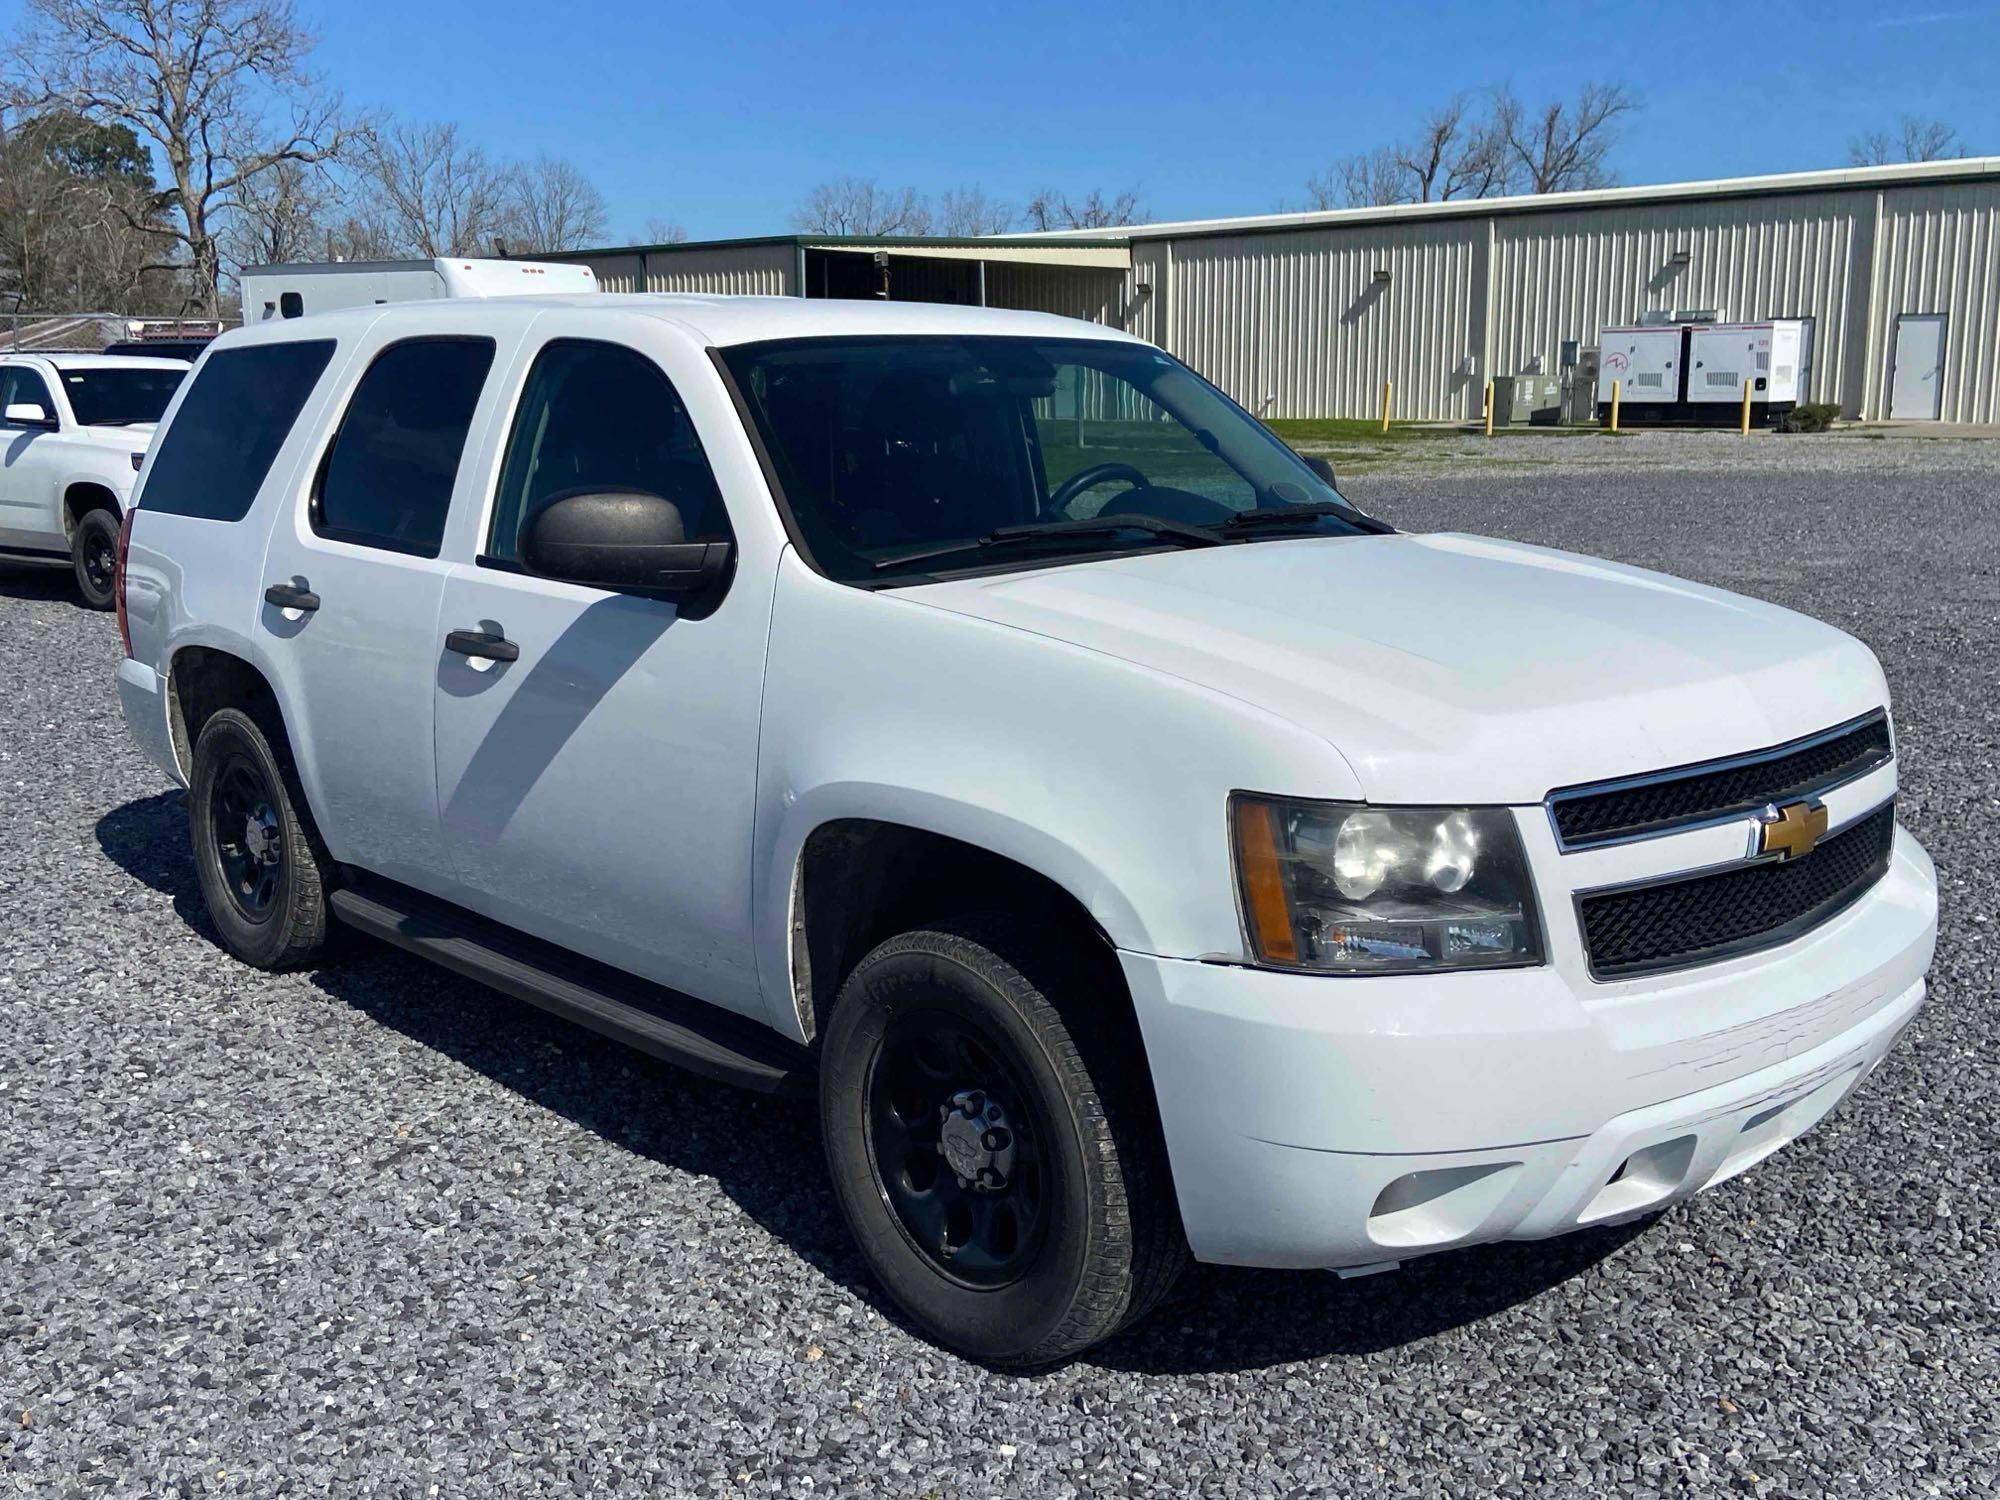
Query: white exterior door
[1916,379]
[30,519]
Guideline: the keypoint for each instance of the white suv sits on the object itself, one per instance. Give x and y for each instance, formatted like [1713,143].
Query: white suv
[73,430]
[978,716]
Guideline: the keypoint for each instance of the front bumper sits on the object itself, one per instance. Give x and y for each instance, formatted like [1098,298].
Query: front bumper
[1337,1121]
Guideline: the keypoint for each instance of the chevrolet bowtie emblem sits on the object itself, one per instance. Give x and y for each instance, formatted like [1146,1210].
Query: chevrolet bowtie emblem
[1788,831]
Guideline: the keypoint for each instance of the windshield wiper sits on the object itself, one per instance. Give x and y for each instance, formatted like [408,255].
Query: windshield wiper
[1286,517]
[1088,526]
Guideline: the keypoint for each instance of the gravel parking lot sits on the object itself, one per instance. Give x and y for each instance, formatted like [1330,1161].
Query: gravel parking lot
[374,1230]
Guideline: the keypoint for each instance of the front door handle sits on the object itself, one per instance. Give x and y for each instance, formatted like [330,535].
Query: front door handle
[488,644]
[291,596]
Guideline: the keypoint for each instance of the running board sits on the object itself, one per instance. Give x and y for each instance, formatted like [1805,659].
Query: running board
[703,1038]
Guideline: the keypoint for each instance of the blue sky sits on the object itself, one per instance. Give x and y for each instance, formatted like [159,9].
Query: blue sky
[722,117]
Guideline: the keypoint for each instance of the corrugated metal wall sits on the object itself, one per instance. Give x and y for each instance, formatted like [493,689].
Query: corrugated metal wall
[1295,323]
[1294,314]
[1939,252]
[1095,296]
[739,271]
[1563,276]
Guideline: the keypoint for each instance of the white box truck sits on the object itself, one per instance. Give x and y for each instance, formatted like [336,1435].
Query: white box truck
[1722,357]
[291,291]
[1647,363]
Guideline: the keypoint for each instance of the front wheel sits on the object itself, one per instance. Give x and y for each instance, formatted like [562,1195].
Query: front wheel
[94,556]
[992,1142]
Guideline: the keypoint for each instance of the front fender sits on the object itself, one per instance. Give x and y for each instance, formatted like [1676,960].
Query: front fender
[1108,778]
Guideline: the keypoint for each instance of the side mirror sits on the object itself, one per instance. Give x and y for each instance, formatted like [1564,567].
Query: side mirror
[619,539]
[1323,472]
[28,414]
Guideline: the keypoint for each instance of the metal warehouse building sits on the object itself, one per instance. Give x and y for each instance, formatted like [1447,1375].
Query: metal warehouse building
[1897,270]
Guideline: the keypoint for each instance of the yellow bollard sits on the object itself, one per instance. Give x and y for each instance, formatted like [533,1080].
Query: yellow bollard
[1489,408]
[1746,408]
[1388,387]
[1614,406]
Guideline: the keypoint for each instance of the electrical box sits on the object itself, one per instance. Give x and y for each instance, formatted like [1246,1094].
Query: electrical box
[1527,398]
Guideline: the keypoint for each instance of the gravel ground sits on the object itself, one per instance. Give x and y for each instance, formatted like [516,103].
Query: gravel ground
[374,1230]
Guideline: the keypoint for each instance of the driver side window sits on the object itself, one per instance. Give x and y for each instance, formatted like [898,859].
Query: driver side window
[604,417]
[1092,419]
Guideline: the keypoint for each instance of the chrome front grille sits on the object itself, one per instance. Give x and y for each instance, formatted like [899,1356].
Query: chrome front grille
[1662,802]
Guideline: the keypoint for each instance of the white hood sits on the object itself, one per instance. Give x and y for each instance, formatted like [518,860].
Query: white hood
[1455,668]
[127,435]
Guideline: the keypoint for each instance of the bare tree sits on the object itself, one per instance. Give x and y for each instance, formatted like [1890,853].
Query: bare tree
[551,205]
[1050,209]
[1913,140]
[1560,147]
[200,79]
[860,205]
[1367,179]
[666,232]
[281,215]
[431,193]
[1454,155]
[969,211]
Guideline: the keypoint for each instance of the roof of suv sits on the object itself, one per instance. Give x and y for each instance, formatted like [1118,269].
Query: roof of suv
[66,361]
[746,320]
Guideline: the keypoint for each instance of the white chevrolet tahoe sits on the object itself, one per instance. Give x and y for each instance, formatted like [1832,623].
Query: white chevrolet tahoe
[978,717]
[73,430]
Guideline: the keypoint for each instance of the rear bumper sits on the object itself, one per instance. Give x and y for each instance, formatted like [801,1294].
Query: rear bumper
[1317,1121]
[142,695]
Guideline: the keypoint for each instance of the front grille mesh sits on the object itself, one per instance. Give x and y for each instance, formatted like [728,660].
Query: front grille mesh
[1585,817]
[1710,917]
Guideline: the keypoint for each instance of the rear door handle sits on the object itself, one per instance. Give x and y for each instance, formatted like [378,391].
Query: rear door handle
[291,596]
[483,643]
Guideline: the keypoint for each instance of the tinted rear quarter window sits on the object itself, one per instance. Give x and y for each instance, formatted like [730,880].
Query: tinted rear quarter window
[387,479]
[214,455]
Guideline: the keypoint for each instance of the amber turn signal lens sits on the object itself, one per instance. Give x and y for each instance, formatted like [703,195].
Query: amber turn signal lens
[1264,904]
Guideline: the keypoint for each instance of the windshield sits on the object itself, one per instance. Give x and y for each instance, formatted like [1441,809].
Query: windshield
[114,397]
[891,450]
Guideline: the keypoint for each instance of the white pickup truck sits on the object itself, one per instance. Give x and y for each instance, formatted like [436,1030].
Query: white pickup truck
[73,430]
[979,718]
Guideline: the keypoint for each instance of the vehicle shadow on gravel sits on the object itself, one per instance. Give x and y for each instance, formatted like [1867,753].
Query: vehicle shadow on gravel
[764,1154]
[57,585]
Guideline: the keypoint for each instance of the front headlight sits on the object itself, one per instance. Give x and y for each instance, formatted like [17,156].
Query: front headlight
[1383,890]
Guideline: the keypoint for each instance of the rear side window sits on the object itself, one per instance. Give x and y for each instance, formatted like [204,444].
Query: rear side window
[214,455]
[601,416]
[387,479]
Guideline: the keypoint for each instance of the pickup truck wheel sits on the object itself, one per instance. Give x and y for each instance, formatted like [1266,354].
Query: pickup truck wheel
[94,555]
[258,862]
[992,1144]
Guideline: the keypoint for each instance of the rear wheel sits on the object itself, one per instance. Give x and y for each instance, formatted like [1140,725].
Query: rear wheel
[992,1143]
[94,556]
[258,860]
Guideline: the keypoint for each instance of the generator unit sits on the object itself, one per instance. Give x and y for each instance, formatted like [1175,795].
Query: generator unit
[1647,364]
[1695,372]
[1722,357]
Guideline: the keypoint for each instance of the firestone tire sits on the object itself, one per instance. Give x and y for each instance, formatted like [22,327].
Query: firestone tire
[93,557]
[993,1142]
[258,859]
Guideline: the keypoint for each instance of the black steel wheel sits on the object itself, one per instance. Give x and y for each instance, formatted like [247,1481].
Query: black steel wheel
[94,554]
[263,872]
[957,1147]
[249,845]
[992,1139]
